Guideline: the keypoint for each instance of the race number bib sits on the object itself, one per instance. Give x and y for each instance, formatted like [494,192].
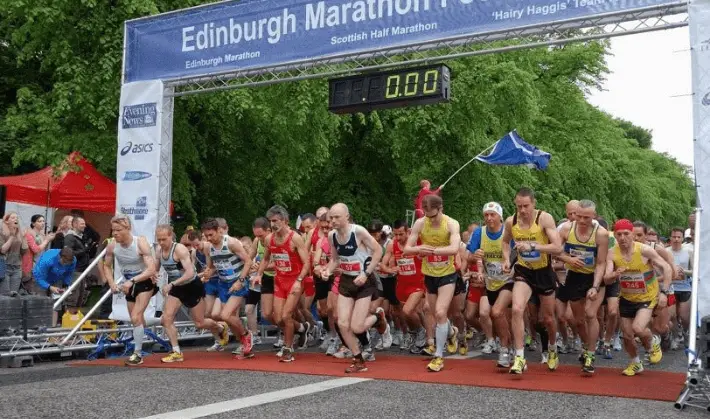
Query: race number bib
[406,266]
[587,257]
[632,283]
[129,274]
[530,256]
[282,262]
[350,267]
[437,260]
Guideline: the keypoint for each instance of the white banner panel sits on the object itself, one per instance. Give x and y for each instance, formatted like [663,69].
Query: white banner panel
[699,26]
[138,161]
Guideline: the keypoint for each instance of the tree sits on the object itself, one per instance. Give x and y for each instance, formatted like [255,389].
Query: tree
[641,135]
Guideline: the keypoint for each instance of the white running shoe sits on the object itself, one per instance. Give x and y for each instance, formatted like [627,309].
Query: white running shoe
[216,347]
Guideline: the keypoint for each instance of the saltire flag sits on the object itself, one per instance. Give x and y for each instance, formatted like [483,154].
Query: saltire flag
[512,150]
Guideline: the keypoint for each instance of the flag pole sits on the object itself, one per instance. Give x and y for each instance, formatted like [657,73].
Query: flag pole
[467,163]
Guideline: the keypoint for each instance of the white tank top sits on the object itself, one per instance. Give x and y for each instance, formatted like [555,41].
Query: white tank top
[129,259]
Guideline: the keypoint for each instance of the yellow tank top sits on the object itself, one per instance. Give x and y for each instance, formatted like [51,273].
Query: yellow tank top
[493,261]
[437,265]
[533,260]
[638,283]
[586,251]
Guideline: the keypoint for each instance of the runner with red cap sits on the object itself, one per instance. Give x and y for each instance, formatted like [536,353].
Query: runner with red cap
[633,263]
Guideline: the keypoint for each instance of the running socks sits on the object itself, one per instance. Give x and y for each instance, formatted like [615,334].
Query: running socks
[442,333]
[544,336]
[138,334]
[363,339]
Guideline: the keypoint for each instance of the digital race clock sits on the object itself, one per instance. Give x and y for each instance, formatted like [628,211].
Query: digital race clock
[390,89]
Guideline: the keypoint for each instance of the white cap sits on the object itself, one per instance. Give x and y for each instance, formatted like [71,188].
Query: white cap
[386,230]
[494,207]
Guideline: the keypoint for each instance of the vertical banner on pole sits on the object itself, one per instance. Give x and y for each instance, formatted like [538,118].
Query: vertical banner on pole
[138,164]
[699,26]
[138,171]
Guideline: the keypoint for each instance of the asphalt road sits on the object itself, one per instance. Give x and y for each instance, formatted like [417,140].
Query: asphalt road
[55,390]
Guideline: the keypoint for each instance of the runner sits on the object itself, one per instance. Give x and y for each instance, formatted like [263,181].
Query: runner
[137,265]
[349,244]
[409,284]
[183,288]
[633,263]
[289,254]
[486,245]
[682,285]
[325,296]
[585,252]
[441,238]
[261,230]
[196,240]
[536,240]
[227,257]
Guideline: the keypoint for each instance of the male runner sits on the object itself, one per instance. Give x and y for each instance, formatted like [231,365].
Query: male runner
[585,251]
[137,265]
[486,245]
[410,287]
[536,240]
[261,229]
[289,254]
[349,245]
[682,283]
[183,288]
[226,255]
[440,237]
[633,263]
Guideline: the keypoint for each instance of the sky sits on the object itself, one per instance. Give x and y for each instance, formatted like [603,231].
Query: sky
[650,85]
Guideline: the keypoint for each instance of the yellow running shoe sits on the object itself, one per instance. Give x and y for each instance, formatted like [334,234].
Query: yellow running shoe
[519,366]
[469,333]
[436,364]
[553,360]
[632,369]
[430,349]
[224,335]
[452,343]
[463,347]
[172,357]
[656,354]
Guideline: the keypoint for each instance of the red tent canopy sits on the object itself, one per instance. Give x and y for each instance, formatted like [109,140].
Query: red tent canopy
[86,189]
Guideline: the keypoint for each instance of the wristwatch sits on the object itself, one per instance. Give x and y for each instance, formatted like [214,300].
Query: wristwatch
[533,246]
[299,279]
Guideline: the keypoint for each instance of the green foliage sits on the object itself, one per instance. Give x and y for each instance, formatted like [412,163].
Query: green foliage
[236,153]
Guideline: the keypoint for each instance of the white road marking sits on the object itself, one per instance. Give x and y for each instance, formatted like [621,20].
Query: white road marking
[260,399]
[469,355]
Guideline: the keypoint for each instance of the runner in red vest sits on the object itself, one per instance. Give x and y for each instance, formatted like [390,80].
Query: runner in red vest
[289,254]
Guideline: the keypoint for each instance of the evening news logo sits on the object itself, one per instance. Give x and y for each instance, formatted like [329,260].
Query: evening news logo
[139,211]
[141,115]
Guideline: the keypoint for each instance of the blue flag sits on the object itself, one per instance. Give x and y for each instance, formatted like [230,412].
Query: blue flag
[513,150]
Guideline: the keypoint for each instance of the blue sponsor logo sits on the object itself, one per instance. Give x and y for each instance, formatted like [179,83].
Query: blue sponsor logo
[706,99]
[136,175]
[141,115]
[138,211]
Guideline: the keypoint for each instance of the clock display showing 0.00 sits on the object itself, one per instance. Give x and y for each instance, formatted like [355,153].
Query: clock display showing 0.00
[412,84]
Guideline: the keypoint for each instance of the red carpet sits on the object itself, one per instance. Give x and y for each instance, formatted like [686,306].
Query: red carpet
[651,385]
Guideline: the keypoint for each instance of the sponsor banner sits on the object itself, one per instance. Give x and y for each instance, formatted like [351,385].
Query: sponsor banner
[699,27]
[232,35]
[138,163]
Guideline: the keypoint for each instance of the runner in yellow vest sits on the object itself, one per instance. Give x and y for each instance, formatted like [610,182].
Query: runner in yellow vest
[633,263]
[585,253]
[440,238]
[536,240]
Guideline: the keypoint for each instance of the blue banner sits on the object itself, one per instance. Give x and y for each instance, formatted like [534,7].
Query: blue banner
[512,150]
[256,33]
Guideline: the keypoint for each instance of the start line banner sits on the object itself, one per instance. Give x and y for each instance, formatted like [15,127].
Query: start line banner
[231,35]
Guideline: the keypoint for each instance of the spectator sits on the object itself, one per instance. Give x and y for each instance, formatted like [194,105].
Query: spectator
[77,242]
[423,192]
[12,246]
[37,243]
[91,236]
[64,227]
[53,272]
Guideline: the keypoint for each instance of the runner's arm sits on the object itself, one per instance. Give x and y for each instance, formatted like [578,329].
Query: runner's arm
[387,259]
[333,263]
[300,247]
[106,264]
[507,238]
[658,261]
[547,223]
[147,254]
[372,244]
[610,273]
[182,254]
[564,234]
[236,246]
[266,259]
[209,265]
[602,241]
[411,248]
